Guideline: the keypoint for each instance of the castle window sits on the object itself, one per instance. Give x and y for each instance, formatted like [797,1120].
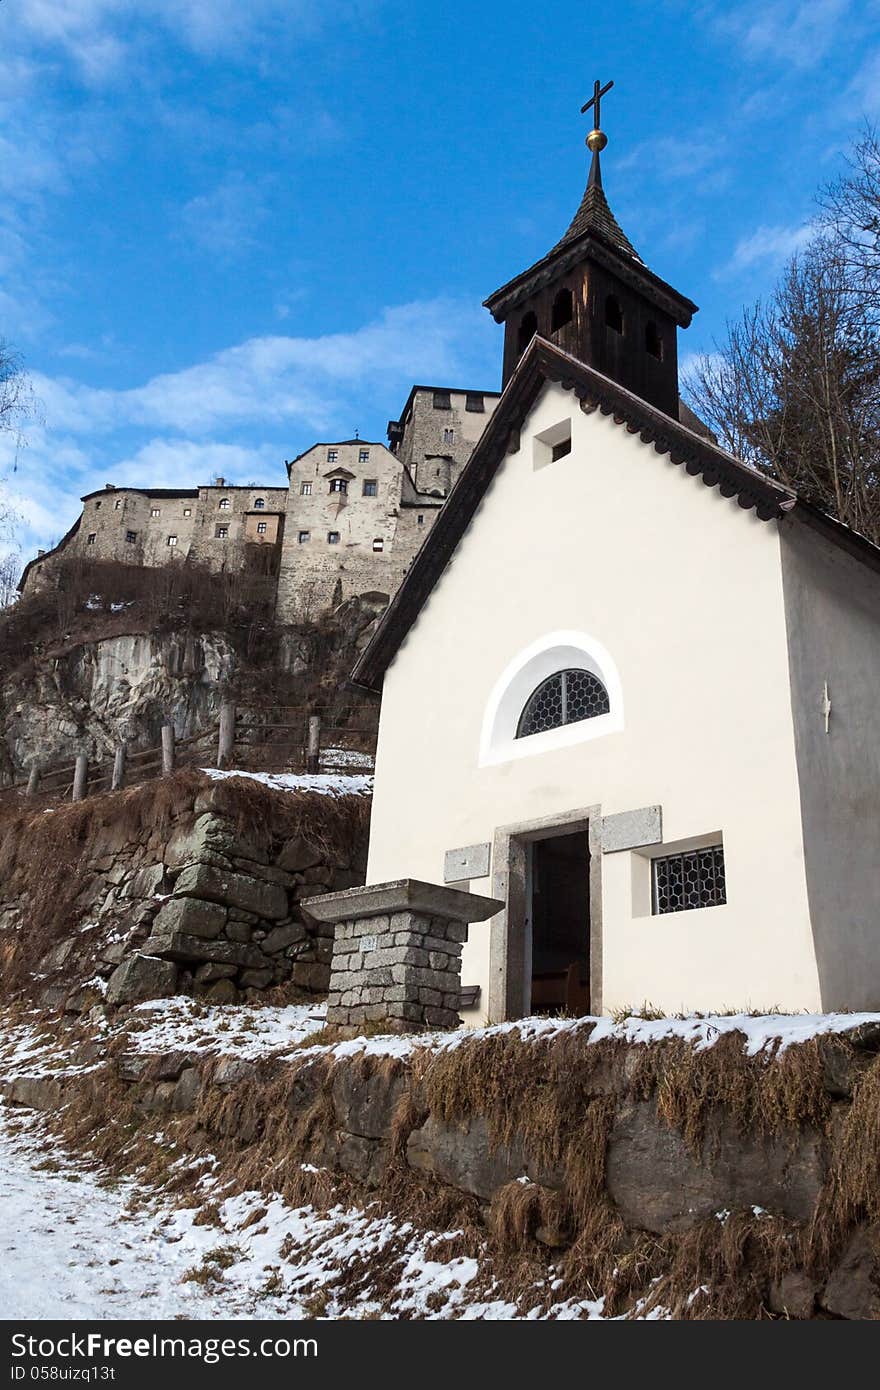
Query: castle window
[680,882]
[93,536]
[223,504]
[363,456]
[653,341]
[332,455]
[420,519]
[303,537]
[117,504]
[449,436]
[613,314]
[97,506]
[562,311]
[131,537]
[155,511]
[474,402]
[172,540]
[332,537]
[442,400]
[187,511]
[339,485]
[262,527]
[371,487]
[559,451]
[305,489]
[528,327]
[563,698]
[259,502]
[221,532]
[379,543]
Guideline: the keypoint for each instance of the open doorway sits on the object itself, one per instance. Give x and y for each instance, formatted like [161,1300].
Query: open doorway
[559,919]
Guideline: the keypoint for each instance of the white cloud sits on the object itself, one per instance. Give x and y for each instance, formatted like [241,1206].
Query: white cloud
[768,246]
[240,413]
[223,221]
[794,32]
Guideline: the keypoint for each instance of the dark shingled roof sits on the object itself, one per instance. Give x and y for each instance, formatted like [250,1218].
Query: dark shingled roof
[594,215]
[543,362]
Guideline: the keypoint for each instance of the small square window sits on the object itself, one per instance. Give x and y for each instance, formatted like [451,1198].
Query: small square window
[305,489]
[332,537]
[223,504]
[131,537]
[332,455]
[339,485]
[363,456]
[187,511]
[559,451]
[172,540]
[92,538]
[155,511]
[442,401]
[378,543]
[371,487]
[221,532]
[680,882]
[474,402]
[303,537]
[449,436]
[262,527]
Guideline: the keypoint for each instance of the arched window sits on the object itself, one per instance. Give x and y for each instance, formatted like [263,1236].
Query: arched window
[613,313]
[528,327]
[566,697]
[653,341]
[259,503]
[562,311]
[560,690]
[223,504]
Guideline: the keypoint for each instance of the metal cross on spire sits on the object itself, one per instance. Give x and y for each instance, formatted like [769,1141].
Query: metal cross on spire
[597,139]
[596,99]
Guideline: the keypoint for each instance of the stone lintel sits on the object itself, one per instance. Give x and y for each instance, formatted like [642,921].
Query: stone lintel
[401,895]
[632,829]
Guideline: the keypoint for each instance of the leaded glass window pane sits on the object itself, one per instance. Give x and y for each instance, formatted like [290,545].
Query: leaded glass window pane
[566,697]
[686,881]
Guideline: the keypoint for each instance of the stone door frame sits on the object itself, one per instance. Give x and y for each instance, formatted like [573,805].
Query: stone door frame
[507,939]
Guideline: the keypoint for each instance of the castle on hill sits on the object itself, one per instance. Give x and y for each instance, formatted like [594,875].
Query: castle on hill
[349,523]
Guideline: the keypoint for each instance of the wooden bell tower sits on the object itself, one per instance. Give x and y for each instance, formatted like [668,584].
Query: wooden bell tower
[594,297]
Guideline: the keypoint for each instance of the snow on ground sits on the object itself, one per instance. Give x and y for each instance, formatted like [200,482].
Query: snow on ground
[164,1025]
[328,783]
[78,1245]
[348,758]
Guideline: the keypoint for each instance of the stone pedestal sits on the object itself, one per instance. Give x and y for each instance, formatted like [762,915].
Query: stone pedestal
[397,952]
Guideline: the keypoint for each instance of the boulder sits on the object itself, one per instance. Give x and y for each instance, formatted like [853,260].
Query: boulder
[187,1090]
[141,977]
[209,839]
[464,1157]
[794,1296]
[218,885]
[223,992]
[256,979]
[296,855]
[145,883]
[853,1290]
[659,1184]
[192,916]
[180,947]
[281,937]
[364,1103]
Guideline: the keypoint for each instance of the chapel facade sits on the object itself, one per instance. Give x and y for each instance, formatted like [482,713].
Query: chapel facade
[656,737]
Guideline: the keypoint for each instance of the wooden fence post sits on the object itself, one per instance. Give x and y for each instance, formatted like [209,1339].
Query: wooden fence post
[313,750]
[167,749]
[118,768]
[80,777]
[226,738]
[33,785]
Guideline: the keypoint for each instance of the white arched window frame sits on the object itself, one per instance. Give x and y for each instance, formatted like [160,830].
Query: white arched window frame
[557,651]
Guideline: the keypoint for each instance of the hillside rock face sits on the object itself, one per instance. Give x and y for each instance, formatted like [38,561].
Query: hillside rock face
[119,689]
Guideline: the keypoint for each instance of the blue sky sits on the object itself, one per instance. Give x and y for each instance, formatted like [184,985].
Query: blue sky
[231,227]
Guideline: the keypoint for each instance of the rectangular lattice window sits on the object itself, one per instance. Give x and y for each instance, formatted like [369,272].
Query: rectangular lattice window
[680,882]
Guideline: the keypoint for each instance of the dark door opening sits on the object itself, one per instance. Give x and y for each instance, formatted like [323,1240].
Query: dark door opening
[560,924]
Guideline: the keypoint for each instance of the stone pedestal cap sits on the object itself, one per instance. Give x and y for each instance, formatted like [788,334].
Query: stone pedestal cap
[401,895]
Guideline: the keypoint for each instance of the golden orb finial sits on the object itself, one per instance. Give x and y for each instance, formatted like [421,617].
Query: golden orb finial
[596,141]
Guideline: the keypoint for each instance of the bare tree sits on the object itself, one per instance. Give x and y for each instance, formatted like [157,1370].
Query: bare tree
[795,389]
[17,405]
[850,213]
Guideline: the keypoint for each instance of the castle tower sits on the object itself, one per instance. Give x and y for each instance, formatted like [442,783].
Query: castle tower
[593,296]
